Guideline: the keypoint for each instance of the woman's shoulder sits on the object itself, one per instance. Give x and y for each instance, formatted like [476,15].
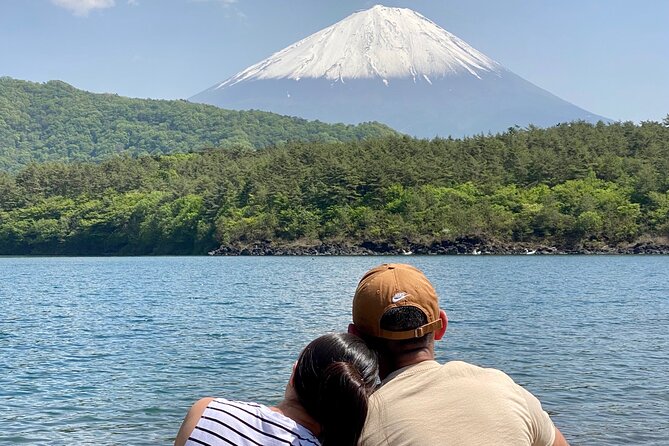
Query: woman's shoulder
[192,417]
[248,418]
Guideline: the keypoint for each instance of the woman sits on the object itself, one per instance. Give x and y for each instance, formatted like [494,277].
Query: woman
[325,402]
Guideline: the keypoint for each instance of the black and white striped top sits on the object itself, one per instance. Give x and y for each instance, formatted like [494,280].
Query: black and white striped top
[247,424]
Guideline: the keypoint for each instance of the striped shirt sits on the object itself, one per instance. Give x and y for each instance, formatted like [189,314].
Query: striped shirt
[247,424]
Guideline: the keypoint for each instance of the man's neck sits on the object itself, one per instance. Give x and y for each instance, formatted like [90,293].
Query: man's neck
[390,365]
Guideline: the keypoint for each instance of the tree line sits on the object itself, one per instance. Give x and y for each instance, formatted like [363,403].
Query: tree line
[564,186]
[56,122]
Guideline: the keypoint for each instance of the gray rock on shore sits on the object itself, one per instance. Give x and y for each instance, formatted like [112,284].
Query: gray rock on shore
[460,246]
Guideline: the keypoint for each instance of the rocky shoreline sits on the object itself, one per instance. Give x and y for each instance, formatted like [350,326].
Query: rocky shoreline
[461,246]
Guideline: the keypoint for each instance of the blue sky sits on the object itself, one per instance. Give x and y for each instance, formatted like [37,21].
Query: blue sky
[610,57]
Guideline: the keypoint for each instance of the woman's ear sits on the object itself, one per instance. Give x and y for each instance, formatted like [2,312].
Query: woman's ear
[291,381]
[444,323]
[289,392]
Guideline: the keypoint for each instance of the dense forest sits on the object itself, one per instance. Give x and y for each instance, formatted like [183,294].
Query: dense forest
[56,122]
[571,185]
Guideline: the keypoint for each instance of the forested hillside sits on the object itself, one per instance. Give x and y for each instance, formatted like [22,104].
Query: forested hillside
[56,122]
[568,186]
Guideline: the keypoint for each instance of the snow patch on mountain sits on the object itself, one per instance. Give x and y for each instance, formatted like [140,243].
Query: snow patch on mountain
[380,42]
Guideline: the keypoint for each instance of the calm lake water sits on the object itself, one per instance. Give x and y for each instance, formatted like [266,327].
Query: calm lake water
[113,351]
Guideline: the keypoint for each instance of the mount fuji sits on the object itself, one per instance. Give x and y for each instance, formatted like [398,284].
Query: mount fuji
[397,67]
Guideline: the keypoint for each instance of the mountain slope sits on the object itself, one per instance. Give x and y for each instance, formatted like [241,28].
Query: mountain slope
[384,43]
[394,66]
[56,122]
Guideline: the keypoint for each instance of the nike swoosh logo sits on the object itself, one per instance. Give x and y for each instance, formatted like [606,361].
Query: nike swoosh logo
[398,297]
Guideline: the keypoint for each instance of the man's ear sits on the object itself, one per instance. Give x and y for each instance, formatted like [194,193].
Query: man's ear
[352,329]
[444,322]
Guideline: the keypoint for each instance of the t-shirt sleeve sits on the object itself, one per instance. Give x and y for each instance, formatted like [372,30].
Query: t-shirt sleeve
[542,428]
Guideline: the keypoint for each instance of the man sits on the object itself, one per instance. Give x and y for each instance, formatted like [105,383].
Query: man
[424,403]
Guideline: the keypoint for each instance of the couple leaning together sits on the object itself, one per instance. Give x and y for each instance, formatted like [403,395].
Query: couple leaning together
[334,398]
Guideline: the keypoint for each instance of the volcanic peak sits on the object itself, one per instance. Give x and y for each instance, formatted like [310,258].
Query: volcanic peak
[380,42]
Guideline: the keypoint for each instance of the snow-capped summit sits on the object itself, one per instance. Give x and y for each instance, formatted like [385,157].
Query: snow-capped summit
[397,67]
[380,42]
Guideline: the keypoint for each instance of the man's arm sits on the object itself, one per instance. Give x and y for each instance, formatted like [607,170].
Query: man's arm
[559,439]
[191,420]
[544,429]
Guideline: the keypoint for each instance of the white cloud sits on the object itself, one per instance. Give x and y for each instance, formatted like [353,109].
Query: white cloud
[83,7]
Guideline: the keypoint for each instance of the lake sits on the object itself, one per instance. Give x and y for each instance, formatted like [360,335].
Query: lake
[113,351]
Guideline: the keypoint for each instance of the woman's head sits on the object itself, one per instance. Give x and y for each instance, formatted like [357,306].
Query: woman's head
[333,378]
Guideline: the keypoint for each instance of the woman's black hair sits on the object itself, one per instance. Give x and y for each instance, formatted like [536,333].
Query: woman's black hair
[334,376]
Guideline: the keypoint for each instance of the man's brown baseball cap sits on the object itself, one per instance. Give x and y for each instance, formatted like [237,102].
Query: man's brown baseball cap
[394,285]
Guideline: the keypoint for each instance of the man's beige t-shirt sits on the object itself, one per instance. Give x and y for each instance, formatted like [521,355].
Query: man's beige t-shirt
[454,404]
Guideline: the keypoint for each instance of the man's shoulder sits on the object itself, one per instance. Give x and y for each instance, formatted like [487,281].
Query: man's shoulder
[432,372]
[452,368]
[467,369]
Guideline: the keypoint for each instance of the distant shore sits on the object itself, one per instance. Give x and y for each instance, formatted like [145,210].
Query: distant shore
[462,246]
